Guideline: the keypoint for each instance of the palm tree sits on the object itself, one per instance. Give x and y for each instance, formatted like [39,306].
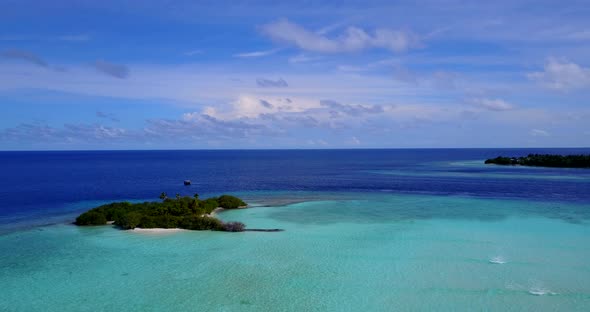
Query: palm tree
[163,196]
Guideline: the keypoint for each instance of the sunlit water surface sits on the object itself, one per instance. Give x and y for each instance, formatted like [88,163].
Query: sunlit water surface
[364,232]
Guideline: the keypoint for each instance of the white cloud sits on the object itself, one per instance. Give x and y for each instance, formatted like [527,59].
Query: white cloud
[257,53]
[269,83]
[111,69]
[252,106]
[302,58]
[355,141]
[26,132]
[539,133]
[24,55]
[350,109]
[196,84]
[293,112]
[351,68]
[562,75]
[351,40]
[318,142]
[492,104]
[108,116]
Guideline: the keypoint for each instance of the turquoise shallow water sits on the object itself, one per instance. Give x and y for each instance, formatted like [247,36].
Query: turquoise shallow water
[476,169]
[352,252]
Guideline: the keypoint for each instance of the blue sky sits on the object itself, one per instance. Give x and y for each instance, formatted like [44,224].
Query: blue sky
[312,74]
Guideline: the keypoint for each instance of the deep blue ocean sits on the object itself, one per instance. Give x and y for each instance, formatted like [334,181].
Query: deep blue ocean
[36,185]
[364,230]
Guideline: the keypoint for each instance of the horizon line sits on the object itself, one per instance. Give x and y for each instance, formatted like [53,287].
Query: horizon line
[287,149]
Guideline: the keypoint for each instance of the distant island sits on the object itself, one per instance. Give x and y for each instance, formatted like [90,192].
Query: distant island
[544,160]
[185,212]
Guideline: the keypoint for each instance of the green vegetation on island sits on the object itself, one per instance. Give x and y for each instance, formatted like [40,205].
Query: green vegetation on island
[185,212]
[544,160]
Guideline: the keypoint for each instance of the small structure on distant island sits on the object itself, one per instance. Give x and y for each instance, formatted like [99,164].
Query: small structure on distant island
[187,182]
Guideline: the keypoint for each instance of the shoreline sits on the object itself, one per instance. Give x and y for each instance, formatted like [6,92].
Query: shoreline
[214,212]
[157,230]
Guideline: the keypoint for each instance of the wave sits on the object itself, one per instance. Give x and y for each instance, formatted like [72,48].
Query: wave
[539,291]
[497,260]
[536,289]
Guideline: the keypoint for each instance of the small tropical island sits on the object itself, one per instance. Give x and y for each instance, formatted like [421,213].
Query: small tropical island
[190,213]
[544,160]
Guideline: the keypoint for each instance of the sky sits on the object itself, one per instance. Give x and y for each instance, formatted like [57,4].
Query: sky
[85,75]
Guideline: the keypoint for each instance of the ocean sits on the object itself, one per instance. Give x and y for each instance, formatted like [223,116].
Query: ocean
[373,230]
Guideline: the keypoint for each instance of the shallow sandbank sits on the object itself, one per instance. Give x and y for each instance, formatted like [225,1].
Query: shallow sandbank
[157,230]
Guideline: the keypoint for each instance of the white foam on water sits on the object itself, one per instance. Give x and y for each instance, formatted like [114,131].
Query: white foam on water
[497,260]
[531,290]
[540,291]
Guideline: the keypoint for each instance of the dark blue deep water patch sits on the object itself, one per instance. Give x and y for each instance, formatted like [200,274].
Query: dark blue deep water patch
[42,185]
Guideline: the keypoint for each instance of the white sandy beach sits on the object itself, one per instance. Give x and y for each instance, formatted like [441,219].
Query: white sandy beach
[172,230]
[215,211]
[157,230]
